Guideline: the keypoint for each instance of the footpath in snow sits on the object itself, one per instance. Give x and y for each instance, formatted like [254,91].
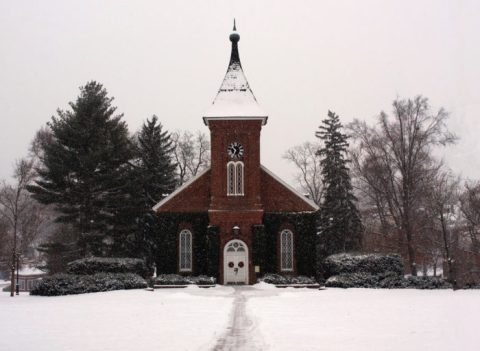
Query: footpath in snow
[243,318]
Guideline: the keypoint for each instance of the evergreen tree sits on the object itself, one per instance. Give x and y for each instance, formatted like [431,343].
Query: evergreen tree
[84,167]
[156,168]
[152,176]
[59,250]
[340,226]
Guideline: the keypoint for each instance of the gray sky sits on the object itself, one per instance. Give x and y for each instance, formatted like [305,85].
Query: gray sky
[301,58]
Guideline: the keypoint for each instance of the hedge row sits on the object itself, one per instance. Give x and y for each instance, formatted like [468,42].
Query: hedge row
[175,279]
[94,265]
[385,281]
[70,284]
[278,279]
[372,264]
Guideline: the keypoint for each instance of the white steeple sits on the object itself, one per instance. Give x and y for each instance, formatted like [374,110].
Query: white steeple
[235,99]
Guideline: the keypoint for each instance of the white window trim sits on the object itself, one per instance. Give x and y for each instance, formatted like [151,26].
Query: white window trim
[282,263]
[236,184]
[188,234]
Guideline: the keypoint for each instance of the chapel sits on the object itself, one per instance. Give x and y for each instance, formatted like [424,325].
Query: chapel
[236,220]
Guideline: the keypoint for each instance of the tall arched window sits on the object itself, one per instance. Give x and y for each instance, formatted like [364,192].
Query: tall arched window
[185,251]
[231,178]
[239,178]
[235,178]
[286,250]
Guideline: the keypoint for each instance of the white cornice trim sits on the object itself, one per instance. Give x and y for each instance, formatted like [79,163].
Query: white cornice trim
[236,118]
[178,190]
[308,201]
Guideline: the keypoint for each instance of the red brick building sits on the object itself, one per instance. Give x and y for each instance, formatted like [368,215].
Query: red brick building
[238,196]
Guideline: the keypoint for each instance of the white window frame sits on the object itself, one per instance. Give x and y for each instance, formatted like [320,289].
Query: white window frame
[286,237]
[184,237]
[235,178]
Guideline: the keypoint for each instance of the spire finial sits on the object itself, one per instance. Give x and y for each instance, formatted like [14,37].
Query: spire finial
[234,37]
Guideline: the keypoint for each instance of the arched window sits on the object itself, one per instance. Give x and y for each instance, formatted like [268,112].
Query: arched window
[286,250]
[231,178]
[185,251]
[239,178]
[235,178]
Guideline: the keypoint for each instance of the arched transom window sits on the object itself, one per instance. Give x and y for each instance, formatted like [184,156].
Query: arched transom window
[286,250]
[185,251]
[235,178]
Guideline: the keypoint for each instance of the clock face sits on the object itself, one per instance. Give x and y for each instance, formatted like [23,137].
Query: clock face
[235,150]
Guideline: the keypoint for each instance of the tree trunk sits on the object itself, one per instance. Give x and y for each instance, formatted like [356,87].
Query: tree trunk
[12,275]
[411,250]
[451,271]
[14,250]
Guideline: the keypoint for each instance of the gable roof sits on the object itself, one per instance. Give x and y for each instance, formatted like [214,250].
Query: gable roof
[180,189]
[306,201]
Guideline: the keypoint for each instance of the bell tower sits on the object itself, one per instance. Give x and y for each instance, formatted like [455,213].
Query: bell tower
[235,121]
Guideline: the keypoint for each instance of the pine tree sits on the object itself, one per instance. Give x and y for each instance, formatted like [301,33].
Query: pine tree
[152,176]
[84,167]
[156,167]
[340,226]
[59,249]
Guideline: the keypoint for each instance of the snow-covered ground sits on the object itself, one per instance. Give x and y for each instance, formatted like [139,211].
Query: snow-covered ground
[260,317]
[174,319]
[368,319]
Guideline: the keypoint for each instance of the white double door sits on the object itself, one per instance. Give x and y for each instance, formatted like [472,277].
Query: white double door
[235,263]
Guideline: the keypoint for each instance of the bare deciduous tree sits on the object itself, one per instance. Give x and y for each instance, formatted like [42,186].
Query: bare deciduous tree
[393,162]
[307,164]
[42,137]
[191,152]
[20,212]
[441,206]
[470,207]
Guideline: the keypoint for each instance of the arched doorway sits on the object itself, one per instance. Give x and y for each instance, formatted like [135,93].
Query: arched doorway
[235,262]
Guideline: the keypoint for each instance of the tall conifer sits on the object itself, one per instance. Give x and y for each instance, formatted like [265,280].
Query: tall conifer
[152,176]
[84,166]
[156,166]
[340,227]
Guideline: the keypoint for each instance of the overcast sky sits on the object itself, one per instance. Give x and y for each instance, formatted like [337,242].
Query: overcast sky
[301,58]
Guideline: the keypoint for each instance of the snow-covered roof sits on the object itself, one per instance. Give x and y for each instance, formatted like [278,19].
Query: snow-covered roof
[287,186]
[179,189]
[30,270]
[235,99]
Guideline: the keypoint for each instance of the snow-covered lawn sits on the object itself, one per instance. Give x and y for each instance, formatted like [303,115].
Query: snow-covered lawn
[173,319]
[273,319]
[368,319]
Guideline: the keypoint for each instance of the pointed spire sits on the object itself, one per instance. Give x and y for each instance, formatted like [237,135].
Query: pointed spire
[235,38]
[235,99]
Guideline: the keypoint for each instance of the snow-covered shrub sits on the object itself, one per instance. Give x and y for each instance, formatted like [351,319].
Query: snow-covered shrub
[93,265]
[367,263]
[385,281]
[416,283]
[69,284]
[278,279]
[358,280]
[466,286]
[175,279]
